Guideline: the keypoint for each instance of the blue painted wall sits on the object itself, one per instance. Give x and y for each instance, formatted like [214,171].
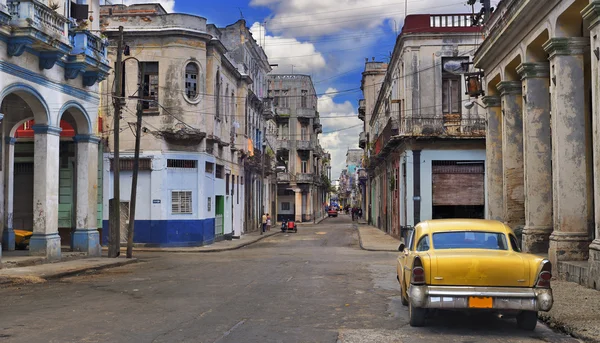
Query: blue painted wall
[170,233]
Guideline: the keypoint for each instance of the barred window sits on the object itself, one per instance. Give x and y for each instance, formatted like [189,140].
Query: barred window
[209,167]
[185,164]
[126,164]
[191,81]
[219,172]
[181,202]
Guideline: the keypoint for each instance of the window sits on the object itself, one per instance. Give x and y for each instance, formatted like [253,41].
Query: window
[285,206]
[304,132]
[423,244]
[209,167]
[226,184]
[150,86]
[181,202]
[470,240]
[219,172]
[238,189]
[242,182]
[304,99]
[304,166]
[218,95]
[126,164]
[209,204]
[514,243]
[284,100]
[276,98]
[451,95]
[184,164]
[191,80]
[410,240]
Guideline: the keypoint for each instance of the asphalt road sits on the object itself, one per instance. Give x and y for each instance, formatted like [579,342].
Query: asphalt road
[313,286]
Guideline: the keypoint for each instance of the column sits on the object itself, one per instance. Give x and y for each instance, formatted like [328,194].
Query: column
[512,154]
[537,156]
[86,237]
[493,159]
[591,14]
[571,150]
[45,240]
[8,235]
[298,204]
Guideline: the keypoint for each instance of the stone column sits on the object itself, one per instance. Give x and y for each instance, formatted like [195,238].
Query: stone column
[298,204]
[8,235]
[571,150]
[591,14]
[537,156]
[493,159]
[86,237]
[45,240]
[512,154]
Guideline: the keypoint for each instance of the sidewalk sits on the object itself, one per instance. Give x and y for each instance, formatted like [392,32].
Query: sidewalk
[234,244]
[42,272]
[373,239]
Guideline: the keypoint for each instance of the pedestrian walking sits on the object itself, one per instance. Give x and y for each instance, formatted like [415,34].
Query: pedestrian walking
[360,213]
[353,212]
[264,222]
[268,222]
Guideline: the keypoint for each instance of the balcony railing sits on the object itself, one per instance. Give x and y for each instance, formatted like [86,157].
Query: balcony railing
[84,41]
[283,144]
[304,145]
[32,13]
[304,177]
[306,112]
[362,140]
[443,127]
[361,109]
[283,177]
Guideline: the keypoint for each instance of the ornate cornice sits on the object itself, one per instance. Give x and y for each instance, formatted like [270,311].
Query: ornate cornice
[534,70]
[566,46]
[509,87]
[492,101]
[591,14]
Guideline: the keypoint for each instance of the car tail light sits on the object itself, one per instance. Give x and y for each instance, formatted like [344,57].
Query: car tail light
[418,273]
[545,275]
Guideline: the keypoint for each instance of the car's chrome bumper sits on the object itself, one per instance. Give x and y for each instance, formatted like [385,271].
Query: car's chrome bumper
[503,298]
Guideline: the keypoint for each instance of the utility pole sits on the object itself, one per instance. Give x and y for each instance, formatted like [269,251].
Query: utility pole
[114,247]
[136,159]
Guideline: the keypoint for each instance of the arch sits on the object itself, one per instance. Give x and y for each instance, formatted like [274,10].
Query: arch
[32,97]
[82,121]
[534,50]
[570,22]
[491,86]
[13,130]
[510,70]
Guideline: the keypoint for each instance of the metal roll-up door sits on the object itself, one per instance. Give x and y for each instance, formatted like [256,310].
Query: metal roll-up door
[458,183]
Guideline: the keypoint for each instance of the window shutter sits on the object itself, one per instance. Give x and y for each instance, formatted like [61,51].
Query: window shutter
[175,203]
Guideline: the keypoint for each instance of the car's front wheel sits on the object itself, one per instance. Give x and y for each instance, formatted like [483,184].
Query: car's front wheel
[527,320]
[416,315]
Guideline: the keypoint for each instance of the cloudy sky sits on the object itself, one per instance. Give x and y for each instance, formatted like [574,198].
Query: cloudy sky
[327,39]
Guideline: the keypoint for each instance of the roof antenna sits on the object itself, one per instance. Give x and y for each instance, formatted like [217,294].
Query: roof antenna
[241,14]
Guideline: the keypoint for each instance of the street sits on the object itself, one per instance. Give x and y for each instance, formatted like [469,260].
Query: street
[313,286]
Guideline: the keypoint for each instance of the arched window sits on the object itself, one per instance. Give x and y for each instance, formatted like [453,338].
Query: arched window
[191,80]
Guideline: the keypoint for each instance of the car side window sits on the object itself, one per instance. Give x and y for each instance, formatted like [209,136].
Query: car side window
[423,244]
[514,243]
[411,237]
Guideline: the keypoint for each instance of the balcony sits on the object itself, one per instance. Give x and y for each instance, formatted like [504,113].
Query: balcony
[443,127]
[304,145]
[362,140]
[37,26]
[362,174]
[304,177]
[361,109]
[316,123]
[88,58]
[283,178]
[268,109]
[282,113]
[283,144]
[307,113]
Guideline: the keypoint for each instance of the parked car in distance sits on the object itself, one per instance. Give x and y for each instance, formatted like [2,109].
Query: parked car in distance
[332,212]
[471,264]
[22,238]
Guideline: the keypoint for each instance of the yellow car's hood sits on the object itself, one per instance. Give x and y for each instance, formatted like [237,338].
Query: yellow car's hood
[480,267]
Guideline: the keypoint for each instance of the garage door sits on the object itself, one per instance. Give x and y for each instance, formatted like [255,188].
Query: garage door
[458,183]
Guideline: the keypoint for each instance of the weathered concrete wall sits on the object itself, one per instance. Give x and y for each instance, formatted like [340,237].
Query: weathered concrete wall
[494,171]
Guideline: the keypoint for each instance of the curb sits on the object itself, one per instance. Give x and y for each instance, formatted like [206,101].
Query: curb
[180,250]
[566,329]
[368,249]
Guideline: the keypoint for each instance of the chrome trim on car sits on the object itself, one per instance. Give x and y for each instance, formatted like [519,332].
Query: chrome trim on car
[504,298]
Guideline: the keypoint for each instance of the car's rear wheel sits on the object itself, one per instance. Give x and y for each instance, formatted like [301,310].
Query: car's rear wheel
[527,320]
[416,315]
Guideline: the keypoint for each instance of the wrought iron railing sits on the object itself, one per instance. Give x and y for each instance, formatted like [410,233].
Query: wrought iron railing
[442,127]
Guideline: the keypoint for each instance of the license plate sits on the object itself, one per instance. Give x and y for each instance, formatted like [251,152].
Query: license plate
[481,302]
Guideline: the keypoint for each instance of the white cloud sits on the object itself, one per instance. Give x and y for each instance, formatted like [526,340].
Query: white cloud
[338,116]
[168,5]
[290,53]
[317,18]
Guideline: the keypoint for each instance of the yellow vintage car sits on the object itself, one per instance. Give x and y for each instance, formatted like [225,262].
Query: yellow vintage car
[22,238]
[471,264]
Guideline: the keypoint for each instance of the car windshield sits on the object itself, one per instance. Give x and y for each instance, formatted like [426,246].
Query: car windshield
[469,240]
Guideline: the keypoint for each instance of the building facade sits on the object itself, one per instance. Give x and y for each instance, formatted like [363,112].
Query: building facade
[424,151]
[540,61]
[192,181]
[300,194]
[51,60]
